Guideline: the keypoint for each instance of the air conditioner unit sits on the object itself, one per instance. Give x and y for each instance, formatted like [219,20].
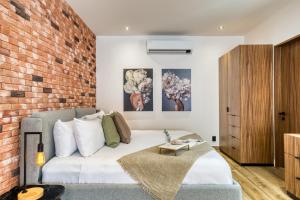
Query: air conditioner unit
[169,47]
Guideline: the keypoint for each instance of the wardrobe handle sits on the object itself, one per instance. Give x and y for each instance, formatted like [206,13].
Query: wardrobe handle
[233,136]
[298,178]
[282,113]
[233,148]
[297,157]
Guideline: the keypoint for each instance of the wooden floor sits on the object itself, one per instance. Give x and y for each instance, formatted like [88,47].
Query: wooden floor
[259,183]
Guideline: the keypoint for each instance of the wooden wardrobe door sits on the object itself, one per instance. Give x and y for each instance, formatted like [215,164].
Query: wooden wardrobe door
[223,131]
[256,104]
[280,102]
[287,95]
[293,114]
[234,82]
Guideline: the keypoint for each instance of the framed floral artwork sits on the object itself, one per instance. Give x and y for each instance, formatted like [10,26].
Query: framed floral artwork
[176,90]
[138,89]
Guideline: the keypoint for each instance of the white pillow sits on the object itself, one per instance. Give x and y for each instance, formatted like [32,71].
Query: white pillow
[64,140]
[98,115]
[89,136]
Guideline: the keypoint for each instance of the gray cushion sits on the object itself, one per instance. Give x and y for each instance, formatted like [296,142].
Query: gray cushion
[80,112]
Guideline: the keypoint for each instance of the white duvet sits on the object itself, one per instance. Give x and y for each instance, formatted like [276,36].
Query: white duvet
[102,167]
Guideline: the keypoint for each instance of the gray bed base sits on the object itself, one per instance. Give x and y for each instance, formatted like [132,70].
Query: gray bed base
[134,192]
[44,122]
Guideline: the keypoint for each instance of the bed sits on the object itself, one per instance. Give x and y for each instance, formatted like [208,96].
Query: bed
[101,177]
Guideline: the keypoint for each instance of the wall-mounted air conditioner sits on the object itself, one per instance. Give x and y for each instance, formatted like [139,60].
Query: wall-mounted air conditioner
[169,47]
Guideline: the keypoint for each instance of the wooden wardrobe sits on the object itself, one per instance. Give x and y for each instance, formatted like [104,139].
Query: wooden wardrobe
[287,93]
[245,92]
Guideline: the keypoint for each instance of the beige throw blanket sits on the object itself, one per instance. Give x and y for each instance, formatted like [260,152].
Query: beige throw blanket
[161,175]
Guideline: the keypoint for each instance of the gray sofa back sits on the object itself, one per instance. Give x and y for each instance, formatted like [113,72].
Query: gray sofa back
[43,122]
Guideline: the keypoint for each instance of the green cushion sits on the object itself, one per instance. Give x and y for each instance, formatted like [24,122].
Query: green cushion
[112,137]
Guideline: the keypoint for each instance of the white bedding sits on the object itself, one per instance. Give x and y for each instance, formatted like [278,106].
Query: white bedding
[102,167]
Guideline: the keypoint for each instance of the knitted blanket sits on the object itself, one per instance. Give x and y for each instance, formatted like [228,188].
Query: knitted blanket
[161,175]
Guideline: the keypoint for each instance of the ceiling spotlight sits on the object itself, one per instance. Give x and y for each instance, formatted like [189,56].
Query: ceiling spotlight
[221,27]
[127,28]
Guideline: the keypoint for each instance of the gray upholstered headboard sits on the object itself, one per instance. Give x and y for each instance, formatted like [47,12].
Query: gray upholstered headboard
[43,122]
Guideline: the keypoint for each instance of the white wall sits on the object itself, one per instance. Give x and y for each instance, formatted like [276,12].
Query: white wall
[115,53]
[282,25]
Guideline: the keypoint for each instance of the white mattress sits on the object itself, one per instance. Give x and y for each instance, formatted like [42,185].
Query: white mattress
[102,167]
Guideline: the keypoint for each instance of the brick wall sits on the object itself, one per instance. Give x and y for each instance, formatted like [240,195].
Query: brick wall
[47,62]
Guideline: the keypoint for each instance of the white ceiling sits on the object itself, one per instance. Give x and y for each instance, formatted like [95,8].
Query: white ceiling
[174,17]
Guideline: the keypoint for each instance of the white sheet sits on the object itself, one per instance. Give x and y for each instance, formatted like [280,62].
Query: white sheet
[102,167]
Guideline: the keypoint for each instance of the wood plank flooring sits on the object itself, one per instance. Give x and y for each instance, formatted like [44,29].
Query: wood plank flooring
[258,182]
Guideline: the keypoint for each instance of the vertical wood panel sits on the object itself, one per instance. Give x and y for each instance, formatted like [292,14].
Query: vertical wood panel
[250,139]
[234,120]
[235,149]
[234,131]
[292,163]
[287,95]
[223,103]
[297,146]
[297,177]
[289,173]
[278,107]
[234,81]
[293,87]
[256,104]
[289,146]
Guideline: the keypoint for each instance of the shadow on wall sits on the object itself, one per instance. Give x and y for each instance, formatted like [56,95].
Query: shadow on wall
[169,60]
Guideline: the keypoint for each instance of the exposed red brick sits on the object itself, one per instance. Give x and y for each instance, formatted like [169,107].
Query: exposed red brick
[47,61]
[5,52]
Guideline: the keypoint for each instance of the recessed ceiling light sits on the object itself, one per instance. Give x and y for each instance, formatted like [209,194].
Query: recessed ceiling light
[221,27]
[127,28]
